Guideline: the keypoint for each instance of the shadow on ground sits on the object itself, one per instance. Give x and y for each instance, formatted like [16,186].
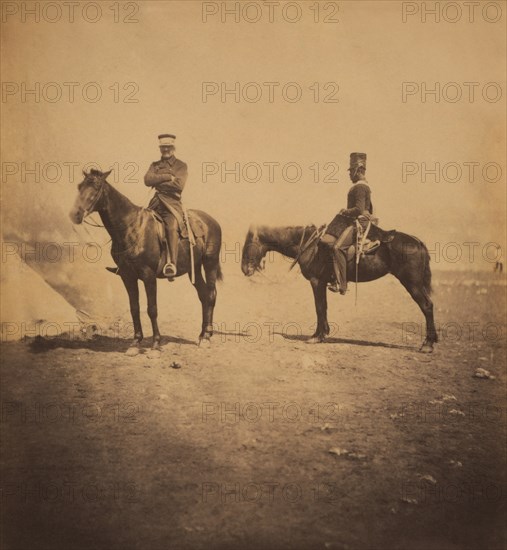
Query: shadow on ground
[40,344]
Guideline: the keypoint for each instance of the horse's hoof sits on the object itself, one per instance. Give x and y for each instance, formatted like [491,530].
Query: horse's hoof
[153,354]
[132,351]
[204,342]
[315,340]
[426,348]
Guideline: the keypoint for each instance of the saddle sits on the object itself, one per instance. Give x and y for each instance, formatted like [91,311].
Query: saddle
[368,234]
[368,237]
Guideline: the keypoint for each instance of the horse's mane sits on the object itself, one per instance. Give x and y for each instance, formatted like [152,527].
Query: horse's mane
[276,233]
[260,228]
[93,172]
[117,194]
[279,238]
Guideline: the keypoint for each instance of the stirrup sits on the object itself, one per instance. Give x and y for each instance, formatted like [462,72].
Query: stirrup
[333,287]
[169,270]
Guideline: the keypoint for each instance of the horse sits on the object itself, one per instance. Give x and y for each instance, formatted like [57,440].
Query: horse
[405,257]
[136,250]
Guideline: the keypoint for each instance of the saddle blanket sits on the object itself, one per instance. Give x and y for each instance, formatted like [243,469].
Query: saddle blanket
[196,226]
[368,248]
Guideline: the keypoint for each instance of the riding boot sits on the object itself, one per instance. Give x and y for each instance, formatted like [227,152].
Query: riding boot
[340,269]
[333,286]
[340,256]
[169,269]
[329,241]
[173,239]
[171,234]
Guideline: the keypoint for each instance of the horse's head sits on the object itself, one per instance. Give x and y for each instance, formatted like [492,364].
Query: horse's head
[90,191]
[253,253]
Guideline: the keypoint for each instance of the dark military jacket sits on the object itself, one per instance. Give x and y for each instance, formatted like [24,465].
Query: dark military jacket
[168,177]
[358,202]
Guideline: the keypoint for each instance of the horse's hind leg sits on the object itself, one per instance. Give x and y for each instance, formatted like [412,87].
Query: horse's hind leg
[150,285]
[206,289]
[421,297]
[130,282]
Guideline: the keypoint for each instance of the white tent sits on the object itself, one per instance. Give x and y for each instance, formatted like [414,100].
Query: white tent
[30,307]
[41,297]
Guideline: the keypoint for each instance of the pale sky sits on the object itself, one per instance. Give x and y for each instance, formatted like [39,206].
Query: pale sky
[170,52]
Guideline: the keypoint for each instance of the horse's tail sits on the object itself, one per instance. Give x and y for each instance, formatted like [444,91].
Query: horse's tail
[426,267]
[412,252]
[427,271]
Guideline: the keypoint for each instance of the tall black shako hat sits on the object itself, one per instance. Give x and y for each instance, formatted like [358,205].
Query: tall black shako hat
[357,160]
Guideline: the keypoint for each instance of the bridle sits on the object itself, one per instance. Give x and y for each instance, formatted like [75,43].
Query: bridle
[94,202]
[90,210]
[256,264]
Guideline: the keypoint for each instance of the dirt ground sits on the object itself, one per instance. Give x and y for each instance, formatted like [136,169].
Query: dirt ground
[263,441]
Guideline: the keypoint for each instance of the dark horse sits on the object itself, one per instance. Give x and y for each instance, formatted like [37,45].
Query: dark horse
[136,251]
[406,257]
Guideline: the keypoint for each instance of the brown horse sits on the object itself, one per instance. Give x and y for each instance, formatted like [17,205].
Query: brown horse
[136,250]
[406,257]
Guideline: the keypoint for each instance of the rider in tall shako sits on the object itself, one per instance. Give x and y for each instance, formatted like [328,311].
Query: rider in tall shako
[340,232]
[168,176]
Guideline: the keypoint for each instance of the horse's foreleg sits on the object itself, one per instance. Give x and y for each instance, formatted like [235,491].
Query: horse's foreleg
[132,287]
[207,295]
[150,285]
[319,294]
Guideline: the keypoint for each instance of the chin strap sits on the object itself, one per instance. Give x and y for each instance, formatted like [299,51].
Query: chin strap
[93,223]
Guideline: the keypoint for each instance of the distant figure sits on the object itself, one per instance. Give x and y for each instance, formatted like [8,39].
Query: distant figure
[498,264]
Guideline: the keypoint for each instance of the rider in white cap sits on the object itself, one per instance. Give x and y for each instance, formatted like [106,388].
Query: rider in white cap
[168,176]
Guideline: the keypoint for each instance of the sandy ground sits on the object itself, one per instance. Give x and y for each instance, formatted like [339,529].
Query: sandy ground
[232,450]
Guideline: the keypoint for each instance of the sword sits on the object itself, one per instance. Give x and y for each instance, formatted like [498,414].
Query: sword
[359,248]
[191,243]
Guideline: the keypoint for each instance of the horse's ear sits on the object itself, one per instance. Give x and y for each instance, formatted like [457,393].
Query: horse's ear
[105,174]
[84,173]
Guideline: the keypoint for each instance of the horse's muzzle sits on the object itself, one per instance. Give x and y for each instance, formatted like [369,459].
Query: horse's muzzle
[76,216]
[247,269]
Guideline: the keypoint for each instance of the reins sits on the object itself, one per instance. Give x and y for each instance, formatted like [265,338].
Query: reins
[316,234]
[94,224]
[300,250]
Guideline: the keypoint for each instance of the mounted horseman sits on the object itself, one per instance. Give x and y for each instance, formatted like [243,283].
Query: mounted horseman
[145,241]
[346,237]
[340,234]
